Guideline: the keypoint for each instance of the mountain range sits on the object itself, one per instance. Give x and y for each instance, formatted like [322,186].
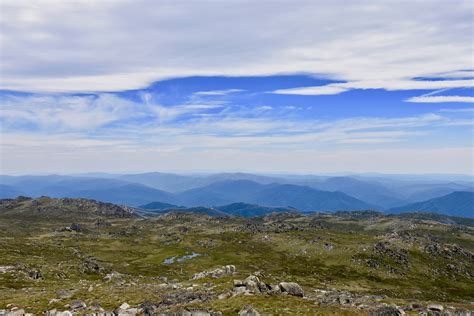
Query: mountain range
[234,209]
[305,193]
[455,204]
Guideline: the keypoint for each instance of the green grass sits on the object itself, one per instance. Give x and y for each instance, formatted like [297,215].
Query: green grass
[137,248]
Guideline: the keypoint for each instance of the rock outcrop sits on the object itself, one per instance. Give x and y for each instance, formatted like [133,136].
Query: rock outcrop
[227,270]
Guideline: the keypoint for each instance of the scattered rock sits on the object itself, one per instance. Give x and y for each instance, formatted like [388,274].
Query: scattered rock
[102,223]
[435,307]
[328,246]
[126,310]
[112,275]
[76,227]
[248,310]
[5,269]
[77,305]
[224,295]
[148,308]
[35,274]
[91,266]
[216,273]
[64,293]
[344,299]
[192,312]
[387,311]
[55,312]
[291,288]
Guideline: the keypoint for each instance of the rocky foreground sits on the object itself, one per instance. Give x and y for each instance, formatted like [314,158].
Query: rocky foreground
[74,256]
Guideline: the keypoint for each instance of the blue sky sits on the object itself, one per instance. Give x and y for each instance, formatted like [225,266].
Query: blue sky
[137,86]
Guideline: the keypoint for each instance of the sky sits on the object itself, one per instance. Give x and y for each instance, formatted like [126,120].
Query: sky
[209,86]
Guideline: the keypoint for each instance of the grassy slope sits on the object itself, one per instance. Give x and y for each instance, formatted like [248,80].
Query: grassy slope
[137,248]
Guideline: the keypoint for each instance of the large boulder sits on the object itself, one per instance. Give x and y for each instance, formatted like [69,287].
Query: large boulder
[291,288]
[251,284]
[126,310]
[435,307]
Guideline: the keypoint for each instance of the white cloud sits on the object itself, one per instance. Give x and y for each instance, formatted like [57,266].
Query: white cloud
[54,159]
[118,133]
[462,110]
[318,90]
[441,99]
[65,113]
[336,88]
[116,45]
[217,92]
[57,113]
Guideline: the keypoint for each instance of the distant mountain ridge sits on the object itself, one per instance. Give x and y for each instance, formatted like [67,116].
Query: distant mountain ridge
[305,192]
[234,209]
[283,195]
[8,191]
[455,204]
[159,206]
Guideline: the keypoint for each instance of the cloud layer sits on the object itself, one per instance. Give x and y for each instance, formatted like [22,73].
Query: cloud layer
[110,132]
[117,45]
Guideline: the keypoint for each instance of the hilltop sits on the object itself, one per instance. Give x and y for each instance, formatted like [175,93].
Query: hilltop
[46,208]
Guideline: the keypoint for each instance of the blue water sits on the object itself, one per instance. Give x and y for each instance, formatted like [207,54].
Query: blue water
[180,259]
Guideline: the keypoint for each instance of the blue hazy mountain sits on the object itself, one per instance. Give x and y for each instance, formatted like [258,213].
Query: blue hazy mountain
[423,192]
[163,181]
[454,204]
[177,183]
[130,194]
[103,189]
[219,193]
[159,206]
[301,197]
[8,191]
[251,210]
[234,209]
[305,192]
[369,191]
[308,199]
[32,185]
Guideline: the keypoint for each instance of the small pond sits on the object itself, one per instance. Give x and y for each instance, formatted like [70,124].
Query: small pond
[174,259]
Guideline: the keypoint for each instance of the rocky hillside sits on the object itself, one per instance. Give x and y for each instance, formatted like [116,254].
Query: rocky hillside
[85,257]
[61,208]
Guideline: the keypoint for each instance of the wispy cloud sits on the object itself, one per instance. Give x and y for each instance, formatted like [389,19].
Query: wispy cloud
[112,126]
[317,90]
[441,99]
[389,85]
[109,115]
[88,112]
[217,92]
[462,110]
